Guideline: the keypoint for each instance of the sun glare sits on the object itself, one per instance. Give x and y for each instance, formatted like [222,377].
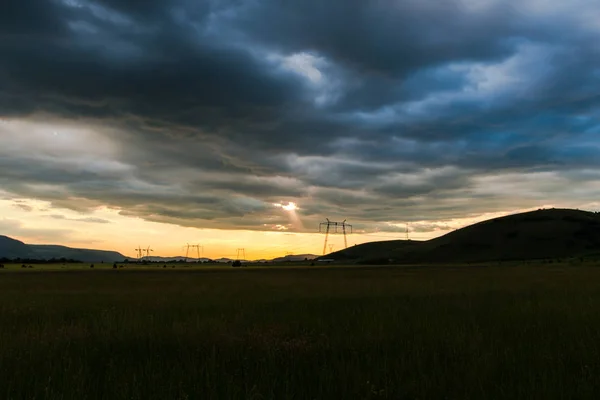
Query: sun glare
[290,207]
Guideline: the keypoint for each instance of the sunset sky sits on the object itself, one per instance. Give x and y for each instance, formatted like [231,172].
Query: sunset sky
[165,122]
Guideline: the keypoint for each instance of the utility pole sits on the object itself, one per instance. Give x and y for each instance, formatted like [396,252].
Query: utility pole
[333,227]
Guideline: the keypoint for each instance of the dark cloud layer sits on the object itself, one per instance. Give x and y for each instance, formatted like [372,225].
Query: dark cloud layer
[380,111]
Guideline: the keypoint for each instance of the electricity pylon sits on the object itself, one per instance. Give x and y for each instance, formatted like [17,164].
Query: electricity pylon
[193,246]
[139,251]
[242,252]
[148,250]
[328,225]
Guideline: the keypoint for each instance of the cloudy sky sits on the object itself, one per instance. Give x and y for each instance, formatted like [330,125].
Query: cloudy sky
[162,122]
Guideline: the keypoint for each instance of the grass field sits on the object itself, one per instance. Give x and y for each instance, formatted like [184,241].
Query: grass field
[489,332]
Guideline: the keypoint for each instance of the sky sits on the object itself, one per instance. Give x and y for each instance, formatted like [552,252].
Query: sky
[245,123]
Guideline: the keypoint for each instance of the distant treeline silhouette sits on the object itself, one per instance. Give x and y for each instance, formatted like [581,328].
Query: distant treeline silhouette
[61,260]
[174,261]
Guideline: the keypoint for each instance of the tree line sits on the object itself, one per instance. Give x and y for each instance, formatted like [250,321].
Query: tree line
[18,260]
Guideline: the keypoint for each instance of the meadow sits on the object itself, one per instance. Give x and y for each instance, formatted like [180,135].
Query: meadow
[456,332]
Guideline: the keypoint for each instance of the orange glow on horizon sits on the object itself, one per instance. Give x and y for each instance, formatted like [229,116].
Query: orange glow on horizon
[37,222]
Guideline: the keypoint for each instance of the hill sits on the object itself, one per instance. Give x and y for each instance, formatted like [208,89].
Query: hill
[12,249]
[541,234]
[294,258]
[372,251]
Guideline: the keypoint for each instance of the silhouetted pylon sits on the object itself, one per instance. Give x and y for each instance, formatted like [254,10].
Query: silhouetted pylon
[328,225]
[148,250]
[242,252]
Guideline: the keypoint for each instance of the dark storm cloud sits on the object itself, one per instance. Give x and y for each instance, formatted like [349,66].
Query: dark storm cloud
[132,64]
[386,37]
[374,111]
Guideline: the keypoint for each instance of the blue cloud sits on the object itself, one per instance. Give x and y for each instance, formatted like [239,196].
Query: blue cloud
[413,106]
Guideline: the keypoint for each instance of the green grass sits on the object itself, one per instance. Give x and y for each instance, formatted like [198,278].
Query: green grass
[489,332]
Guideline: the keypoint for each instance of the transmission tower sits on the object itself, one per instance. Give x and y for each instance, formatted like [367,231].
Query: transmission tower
[193,246]
[139,252]
[199,250]
[147,251]
[187,251]
[241,252]
[334,227]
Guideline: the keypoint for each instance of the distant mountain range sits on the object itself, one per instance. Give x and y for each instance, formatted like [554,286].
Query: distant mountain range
[295,257]
[287,258]
[12,249]
[535,235]
[173,259]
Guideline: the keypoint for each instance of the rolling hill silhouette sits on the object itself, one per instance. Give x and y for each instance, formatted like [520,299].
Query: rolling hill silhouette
[12,249]
[541,234]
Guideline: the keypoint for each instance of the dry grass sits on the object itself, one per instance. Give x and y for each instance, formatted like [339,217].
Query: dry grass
[459,333]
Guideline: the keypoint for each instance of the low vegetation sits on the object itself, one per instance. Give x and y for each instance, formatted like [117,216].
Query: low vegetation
[300,333]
